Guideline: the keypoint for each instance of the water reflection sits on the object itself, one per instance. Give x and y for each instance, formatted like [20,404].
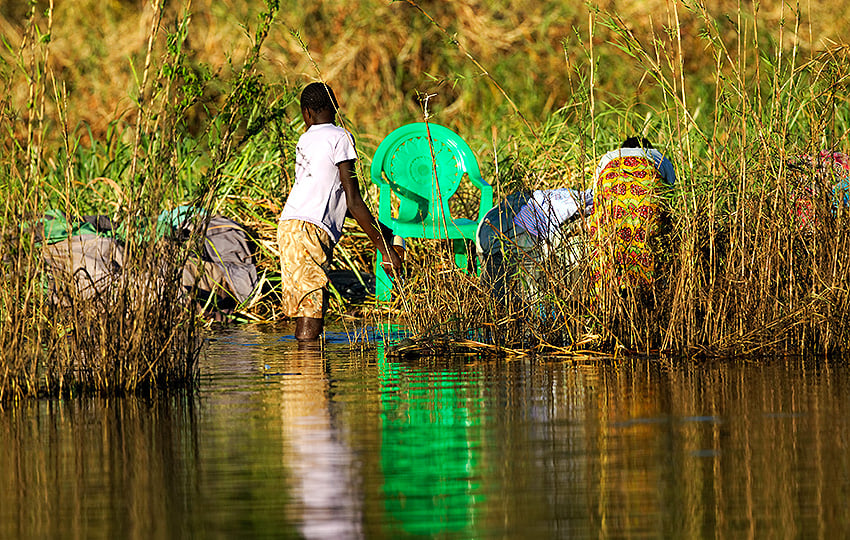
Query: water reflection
[283,442]
[326,500]
[429,444]
[90,467]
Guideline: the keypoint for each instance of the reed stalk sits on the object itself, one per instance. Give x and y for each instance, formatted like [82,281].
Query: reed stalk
[741,274]
[61,335]
[539,96]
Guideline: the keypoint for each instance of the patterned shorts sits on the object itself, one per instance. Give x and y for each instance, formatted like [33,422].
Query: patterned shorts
[305,257]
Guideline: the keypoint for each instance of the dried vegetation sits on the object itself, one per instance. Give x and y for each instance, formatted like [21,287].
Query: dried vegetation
[130,108]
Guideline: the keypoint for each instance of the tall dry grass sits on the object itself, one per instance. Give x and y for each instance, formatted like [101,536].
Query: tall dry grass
[379,54]
[741,274]
[59,333]
[728,94]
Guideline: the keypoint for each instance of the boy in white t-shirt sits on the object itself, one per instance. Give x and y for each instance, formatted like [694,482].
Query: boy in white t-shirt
[325,191]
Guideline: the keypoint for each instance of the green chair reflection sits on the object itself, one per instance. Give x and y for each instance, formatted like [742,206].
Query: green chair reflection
[428,452]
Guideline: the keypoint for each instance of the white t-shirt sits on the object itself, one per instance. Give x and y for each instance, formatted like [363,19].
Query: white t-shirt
[317,196]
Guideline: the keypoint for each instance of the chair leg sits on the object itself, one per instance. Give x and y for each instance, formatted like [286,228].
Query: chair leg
[383,283]
[461,253]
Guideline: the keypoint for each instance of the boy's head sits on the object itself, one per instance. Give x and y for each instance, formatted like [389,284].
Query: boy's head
[636,142]
[319,98]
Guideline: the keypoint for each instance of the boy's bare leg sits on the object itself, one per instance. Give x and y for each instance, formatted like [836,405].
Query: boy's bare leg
[308,328]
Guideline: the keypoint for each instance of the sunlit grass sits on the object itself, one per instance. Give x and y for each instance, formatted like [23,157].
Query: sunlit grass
[142,331]
[176,107]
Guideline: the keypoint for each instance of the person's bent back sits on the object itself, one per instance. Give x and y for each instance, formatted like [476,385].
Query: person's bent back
[628,210]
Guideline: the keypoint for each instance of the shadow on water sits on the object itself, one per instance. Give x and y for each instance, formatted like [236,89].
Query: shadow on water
[287,441]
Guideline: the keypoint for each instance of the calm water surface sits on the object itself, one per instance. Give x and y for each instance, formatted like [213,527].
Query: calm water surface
[280,442]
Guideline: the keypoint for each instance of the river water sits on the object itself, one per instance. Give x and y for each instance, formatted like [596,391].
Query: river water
[280,442]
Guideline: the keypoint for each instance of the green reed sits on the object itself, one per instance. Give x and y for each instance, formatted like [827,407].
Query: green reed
[728,95]
[142,331]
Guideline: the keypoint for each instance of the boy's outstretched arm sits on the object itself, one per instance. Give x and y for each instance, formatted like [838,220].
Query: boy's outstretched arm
[360,212]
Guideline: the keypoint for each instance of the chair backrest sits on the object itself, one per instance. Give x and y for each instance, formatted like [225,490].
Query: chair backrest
[423,165]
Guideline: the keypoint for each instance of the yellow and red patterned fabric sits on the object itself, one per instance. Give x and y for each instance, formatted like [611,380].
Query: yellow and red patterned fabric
[814,174]
[625,220]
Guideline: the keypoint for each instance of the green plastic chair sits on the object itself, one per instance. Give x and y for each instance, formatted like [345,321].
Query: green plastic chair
[423,165]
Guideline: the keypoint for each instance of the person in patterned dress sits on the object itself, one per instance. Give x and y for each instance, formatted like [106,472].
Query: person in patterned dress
[629,188]
[822,177]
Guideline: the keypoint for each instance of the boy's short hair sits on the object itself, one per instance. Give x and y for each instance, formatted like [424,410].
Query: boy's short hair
[318,97]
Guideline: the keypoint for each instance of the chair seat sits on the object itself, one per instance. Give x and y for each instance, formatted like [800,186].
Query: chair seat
[459,228]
